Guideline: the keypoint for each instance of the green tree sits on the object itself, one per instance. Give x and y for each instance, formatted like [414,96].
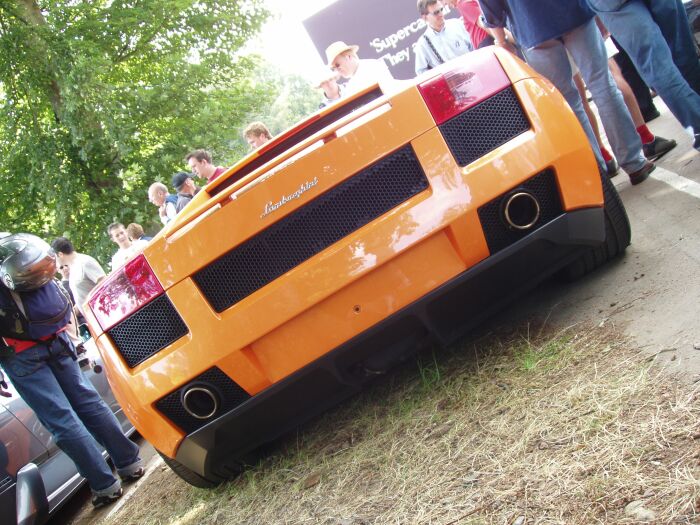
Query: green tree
[295,101]
[291,99]
[101,98]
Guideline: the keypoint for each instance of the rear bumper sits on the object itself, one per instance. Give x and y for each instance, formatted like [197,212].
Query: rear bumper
[440,317]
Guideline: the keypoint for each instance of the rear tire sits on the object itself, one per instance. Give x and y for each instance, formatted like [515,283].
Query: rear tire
[188,475]
[617,236]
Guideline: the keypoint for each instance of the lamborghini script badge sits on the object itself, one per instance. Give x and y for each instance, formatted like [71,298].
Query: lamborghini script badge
[274,206]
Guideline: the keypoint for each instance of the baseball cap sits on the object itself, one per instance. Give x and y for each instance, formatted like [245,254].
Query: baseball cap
[179,179]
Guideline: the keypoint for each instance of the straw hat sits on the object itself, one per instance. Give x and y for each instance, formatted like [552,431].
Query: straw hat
[337,48]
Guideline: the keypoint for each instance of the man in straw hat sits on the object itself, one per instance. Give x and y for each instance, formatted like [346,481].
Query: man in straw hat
[342,59]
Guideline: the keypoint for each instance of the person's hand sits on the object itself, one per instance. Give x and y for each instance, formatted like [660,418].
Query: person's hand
[507,45]
[503,38]
[330,89]
[163,212]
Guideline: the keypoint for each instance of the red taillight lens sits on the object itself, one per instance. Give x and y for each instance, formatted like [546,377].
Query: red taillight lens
[474,78]
[124,292]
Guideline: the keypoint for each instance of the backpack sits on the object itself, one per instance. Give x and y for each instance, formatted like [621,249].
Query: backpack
[172,199]
[35,314]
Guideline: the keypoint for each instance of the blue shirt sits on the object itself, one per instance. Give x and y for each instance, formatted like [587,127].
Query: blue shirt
[536,21]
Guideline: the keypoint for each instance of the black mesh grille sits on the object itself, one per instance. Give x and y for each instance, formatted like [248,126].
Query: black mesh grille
[498,234]
[493,122]
[229,395]
[148,331]
[307,231]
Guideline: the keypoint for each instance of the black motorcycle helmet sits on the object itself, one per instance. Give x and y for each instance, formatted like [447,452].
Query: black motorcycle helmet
[26,261]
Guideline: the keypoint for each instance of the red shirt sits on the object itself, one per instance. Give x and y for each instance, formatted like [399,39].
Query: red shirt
[218,171]
[471,12]
[20,344]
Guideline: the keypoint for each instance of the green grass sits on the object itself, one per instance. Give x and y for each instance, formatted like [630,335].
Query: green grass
[546,355]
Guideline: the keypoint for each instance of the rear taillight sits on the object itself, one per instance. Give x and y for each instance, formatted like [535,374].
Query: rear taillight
[125,291]
[474,78]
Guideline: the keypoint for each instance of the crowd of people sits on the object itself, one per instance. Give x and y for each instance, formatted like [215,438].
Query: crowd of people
[581,46]
[200,163]
[614,49]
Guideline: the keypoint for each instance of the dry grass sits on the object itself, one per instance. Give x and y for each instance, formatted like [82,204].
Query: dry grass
[566,428]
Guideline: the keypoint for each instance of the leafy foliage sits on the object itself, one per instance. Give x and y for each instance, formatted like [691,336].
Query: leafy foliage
[102,98]
[295,100]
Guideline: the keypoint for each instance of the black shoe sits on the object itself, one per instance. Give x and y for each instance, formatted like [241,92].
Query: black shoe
[106,499]
[133,477]
[658,148]
[642,174]
[651,115]
[612,167]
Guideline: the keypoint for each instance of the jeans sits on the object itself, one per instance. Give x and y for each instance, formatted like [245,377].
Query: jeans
[639,87]
[672,19]
[637,32]
[588,51]
[49,380]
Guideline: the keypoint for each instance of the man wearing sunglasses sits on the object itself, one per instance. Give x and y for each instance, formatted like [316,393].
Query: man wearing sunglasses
[443,39]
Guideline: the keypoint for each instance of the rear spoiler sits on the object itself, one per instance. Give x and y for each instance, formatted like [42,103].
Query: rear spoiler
[292,137]
[214,195]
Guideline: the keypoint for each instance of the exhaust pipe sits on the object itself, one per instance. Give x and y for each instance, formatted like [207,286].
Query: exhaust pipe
[200,400]
[521,210]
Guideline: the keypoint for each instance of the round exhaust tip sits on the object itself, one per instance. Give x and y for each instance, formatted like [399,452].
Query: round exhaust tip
[200,401]
[521,210]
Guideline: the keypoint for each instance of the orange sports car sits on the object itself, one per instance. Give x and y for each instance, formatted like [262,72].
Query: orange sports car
[400,216]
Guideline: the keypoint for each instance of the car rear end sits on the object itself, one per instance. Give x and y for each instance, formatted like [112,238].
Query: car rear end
[388,220]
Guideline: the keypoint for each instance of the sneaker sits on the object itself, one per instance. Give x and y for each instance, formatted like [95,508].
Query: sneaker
[658,148]
[642,174]
[134,476]
[106,499]
[612,167]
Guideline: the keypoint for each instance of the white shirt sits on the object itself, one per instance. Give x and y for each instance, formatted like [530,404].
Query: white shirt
[451,42]
[84,274]
[124,255]
[369,71]
[170,213]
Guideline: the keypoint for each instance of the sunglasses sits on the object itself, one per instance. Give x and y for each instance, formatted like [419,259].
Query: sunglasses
[335,66]
[436,12]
